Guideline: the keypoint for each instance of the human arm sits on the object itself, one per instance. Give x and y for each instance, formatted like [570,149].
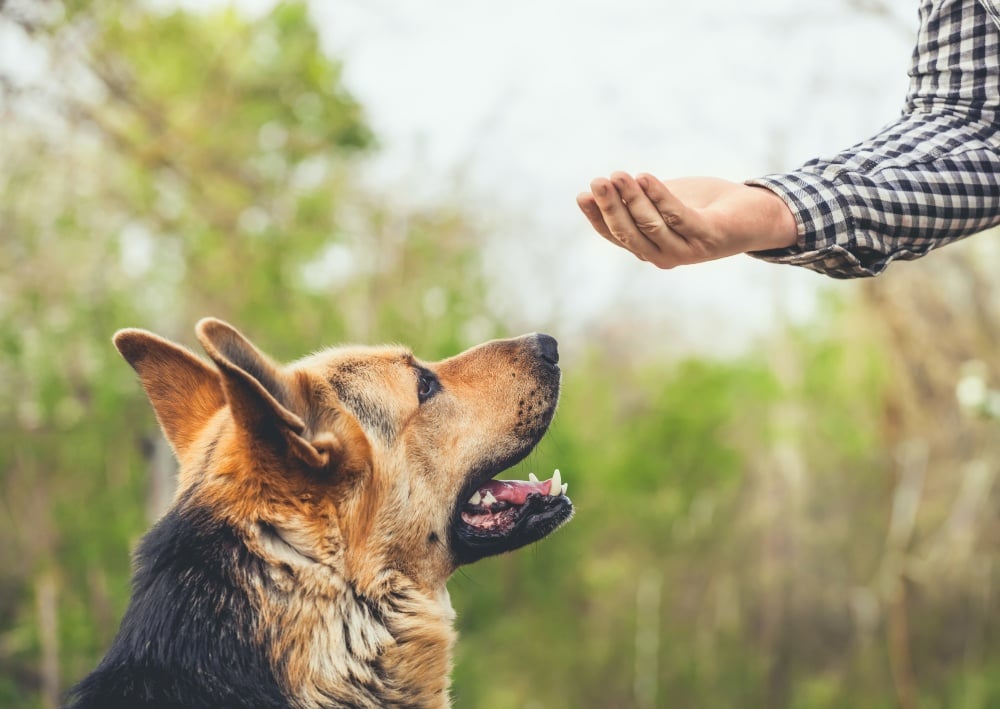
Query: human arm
[928,179]
[925,180]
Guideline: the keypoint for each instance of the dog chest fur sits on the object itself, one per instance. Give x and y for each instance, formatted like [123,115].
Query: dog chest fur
[209,621]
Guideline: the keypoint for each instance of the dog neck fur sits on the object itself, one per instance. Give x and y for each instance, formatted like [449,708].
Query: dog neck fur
[335,635]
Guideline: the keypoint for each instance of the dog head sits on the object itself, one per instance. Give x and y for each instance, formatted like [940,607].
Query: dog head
[365,460]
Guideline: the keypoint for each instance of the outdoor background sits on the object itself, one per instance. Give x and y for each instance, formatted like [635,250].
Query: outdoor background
[786,486]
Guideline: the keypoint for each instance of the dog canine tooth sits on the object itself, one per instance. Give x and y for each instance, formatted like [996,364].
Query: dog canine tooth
[532,478]
[555,485]
[475,499]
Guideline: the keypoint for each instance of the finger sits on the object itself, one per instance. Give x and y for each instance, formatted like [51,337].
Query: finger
[618,219]
[645,215]
[588,205]
[671,210]
[701,239]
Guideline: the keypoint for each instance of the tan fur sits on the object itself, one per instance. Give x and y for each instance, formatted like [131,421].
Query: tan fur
[338,478]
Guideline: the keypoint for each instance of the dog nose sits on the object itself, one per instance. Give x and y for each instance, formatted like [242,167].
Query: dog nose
[547,347]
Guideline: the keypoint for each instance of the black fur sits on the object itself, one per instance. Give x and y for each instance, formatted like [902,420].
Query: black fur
[189,636]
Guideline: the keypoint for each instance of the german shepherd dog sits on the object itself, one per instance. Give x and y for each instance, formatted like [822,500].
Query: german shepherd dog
[321,508]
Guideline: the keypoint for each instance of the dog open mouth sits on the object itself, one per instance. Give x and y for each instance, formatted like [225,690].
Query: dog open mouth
[503,515]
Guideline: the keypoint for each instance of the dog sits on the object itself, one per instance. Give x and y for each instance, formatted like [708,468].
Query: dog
[321,507]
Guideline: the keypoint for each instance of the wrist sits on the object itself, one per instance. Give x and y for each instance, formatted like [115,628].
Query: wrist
[775,227]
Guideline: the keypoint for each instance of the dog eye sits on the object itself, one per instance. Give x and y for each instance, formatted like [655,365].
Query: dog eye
[427,386]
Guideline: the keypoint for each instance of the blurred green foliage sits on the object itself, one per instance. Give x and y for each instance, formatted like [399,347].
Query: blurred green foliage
[737,536]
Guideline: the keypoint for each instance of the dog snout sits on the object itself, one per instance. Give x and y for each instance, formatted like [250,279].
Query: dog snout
[547,347]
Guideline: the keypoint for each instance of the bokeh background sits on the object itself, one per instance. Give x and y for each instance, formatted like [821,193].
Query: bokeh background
[786,485]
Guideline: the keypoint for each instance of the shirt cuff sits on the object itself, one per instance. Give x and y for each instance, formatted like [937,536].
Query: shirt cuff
[827,239]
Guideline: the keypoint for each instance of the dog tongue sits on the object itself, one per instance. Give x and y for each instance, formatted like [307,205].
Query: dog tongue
[514,491]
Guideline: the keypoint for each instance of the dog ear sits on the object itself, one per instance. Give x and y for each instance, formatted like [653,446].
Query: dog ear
[183,389]
[260,395]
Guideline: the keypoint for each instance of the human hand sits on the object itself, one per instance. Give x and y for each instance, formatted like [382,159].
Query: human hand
[687,220]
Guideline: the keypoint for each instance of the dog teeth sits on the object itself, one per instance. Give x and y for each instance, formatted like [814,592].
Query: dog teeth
[532,478]
[475,499]
[555,485]
[488,499]
[565,487]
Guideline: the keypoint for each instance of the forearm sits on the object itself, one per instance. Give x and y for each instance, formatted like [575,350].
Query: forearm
[754,218]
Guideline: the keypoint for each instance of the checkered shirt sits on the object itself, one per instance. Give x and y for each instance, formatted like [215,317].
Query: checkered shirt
[929,178]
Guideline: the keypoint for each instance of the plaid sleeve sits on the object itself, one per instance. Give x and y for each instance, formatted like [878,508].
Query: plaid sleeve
[993,8]
[928,179]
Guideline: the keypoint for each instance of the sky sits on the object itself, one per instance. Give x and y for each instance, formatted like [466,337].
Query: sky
[512,108]
[516,106]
